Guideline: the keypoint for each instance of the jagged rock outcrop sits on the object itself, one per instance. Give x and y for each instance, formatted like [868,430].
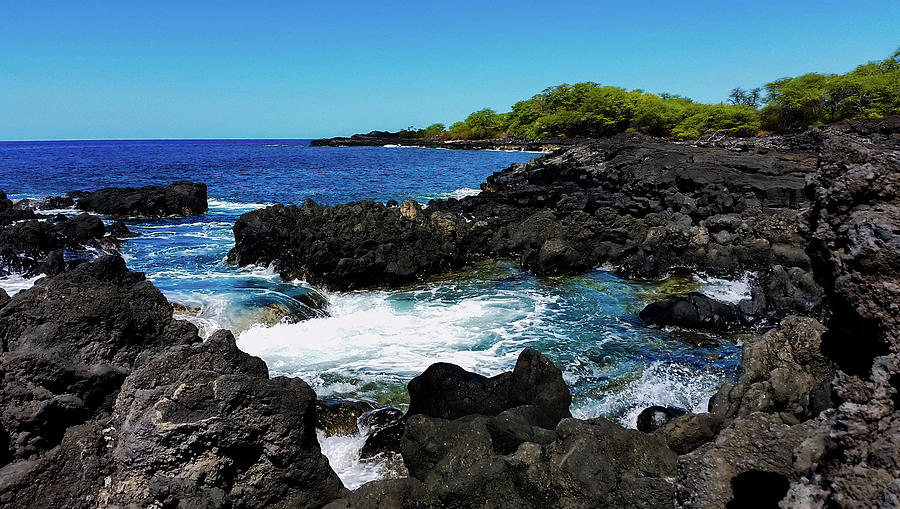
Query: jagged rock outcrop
[68,343]
[783,372]
[855,249]
[31,245]
[110,402]
[646,206]
[520,456]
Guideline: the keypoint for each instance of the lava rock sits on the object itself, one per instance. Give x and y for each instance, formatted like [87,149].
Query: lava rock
[447,391]
[120,230]
[783,372]
[695,311]
[176,199]
[69,341]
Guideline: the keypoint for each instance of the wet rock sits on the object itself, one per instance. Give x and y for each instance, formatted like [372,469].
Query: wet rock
[447,391]
[120,230]
[340,417]
[47,203]
[783,372]
[313,300]
[4,298]
[652,418]
[385,428]
[176,199]
[27,241]
[403,493]
[695,311]
[383,439]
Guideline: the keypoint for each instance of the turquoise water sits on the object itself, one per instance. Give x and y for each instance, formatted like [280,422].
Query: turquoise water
[373,342]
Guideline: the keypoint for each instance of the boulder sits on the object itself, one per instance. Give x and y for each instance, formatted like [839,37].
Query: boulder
[508,461]
[205,424]
[447,391]
[108,401]
[340,417]
[694,311]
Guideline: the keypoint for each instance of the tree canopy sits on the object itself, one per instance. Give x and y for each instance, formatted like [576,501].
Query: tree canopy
[593,110]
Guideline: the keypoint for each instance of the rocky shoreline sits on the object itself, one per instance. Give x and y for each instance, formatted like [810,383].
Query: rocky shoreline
[110,402]
[385,138]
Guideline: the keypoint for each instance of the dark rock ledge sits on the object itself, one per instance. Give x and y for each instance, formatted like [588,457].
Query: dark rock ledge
[382,138]
[32,244]
[148,202]
[645,206]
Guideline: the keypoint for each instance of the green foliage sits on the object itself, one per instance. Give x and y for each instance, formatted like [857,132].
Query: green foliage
[706,119]
[871,90]
[592,110]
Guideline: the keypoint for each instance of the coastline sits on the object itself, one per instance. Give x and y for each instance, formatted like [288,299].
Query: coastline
[120,415]
[388,139]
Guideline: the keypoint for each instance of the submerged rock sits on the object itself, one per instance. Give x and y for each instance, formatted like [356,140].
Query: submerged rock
[340,417]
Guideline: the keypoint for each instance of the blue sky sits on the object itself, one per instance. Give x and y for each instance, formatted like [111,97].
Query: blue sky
[102,70]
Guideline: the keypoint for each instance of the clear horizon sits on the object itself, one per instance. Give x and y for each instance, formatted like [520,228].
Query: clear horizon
[297,71]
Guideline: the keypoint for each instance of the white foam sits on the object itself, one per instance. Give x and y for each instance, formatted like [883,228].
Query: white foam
[343,453]
[231,205]
[660,384]
[15,283]
[726,290]
[457,193]
[373,336]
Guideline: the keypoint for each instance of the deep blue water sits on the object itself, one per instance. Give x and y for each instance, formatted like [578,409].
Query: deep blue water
[374,342]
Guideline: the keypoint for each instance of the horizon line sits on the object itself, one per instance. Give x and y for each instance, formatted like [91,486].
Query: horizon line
[154,139]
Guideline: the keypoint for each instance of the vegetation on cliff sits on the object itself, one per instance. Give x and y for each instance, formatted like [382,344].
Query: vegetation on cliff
[592,110]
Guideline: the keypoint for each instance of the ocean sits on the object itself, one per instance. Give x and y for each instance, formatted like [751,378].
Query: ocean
[371,343]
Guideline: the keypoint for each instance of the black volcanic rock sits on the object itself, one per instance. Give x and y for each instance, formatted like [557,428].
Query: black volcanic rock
[508,461]
[176,199]
[382,138]
[30,245]
[107,400]
[695,310]
[447,391]
[68,343]
[855,251]
[647,206]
